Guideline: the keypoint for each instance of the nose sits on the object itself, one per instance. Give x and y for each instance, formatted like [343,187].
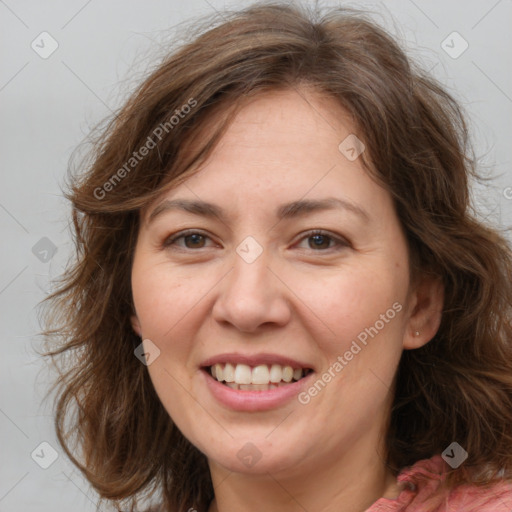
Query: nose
[252,297]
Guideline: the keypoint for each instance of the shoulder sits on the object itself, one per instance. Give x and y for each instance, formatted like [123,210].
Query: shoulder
[428,475]
[423,491]
[493,498]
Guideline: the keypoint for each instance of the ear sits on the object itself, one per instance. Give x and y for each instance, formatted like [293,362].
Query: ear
[425,312]
[136,325]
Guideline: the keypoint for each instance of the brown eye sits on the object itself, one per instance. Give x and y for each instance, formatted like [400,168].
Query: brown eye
[320,241]
[194,241]
[187,240]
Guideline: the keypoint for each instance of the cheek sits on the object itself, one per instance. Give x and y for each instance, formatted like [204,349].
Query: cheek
[362,309]
[161,297]
[348,302]
[170,305]
[162,302]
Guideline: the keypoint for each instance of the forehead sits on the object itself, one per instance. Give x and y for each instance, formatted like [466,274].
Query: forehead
[290,121]
[280,147]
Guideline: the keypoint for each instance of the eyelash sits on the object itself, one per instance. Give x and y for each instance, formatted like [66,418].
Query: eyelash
[341,243]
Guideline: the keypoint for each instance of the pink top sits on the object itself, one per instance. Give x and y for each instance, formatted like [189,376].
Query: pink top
[422,480]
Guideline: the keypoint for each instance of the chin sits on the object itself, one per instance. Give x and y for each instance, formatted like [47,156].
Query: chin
[256,457]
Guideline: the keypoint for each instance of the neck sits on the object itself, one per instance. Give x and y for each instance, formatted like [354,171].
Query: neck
[351,483]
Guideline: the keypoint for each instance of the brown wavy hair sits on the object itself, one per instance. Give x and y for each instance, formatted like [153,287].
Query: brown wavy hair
[457,387]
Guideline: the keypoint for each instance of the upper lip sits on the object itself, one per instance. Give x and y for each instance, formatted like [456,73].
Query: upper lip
[255,360]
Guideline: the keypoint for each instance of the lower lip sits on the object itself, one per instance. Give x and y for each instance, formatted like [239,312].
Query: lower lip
[254,400]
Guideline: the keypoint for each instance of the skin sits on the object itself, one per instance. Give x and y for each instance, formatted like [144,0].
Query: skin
[198,298]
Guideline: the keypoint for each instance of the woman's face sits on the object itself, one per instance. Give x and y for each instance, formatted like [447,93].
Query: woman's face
[280,254]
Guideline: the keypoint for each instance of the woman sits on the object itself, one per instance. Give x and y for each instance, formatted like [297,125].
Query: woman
[281,299]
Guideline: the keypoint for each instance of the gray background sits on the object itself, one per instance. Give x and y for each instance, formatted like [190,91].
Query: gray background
[48,106]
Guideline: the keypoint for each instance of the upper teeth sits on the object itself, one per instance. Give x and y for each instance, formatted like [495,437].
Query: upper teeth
[261,374]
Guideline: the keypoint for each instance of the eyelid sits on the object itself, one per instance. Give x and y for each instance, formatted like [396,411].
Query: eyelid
[169,241]
[339,241]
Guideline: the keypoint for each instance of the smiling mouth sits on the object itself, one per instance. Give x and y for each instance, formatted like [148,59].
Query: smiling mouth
[262,377]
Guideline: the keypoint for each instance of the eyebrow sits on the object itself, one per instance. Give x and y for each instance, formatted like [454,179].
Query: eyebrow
[285,211]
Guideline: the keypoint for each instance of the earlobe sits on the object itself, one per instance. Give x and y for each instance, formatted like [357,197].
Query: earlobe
[136,325]
[426,312]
